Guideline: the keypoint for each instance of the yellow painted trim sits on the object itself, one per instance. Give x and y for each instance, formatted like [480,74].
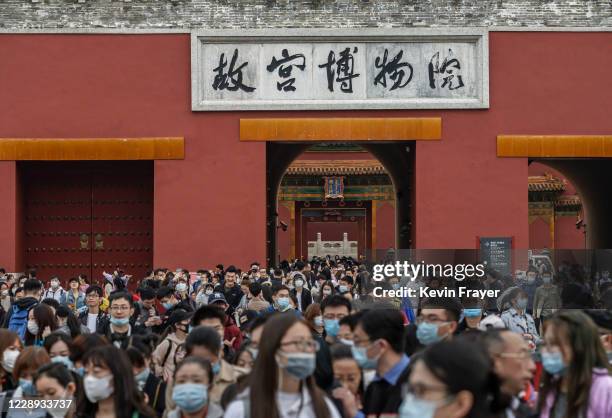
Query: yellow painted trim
[340,129]
[113,149]
[551,146]
[374,206]
[292,231]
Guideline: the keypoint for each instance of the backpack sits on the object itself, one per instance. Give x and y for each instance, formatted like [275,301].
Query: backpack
[19,321]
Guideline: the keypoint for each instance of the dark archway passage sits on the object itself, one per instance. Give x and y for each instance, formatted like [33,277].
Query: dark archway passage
[592,178]
[397,158]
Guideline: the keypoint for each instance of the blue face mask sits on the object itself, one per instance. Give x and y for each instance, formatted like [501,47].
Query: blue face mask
[472,312]
[521,303]
[119,321]
[27,387]
[283,303]
[167,305]
[553,363]
[318,321]
[300,365]
[254,352]
[395,286]
[412,407]
[427,333]
[361,357]
[190,397]
[65,360]
[332,327]
[216,367]
[141,378]
[80,371]
[342,288]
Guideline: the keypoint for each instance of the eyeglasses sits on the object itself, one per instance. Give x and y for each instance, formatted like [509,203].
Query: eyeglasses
[120,308]
[304,345]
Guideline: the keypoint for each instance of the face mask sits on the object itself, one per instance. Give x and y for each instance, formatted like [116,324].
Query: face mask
[521,303]
[530,279]
[342,288]
[472,312]
[350,343]
[318,321]
[332,327]
[27,387]
[209,291]
[299,365]
[167,305]
[254,352]
[98,388]
[412,407]
[395,286]
[361,357]
[216,367]
[141,378]
[299,283]
[181,287]
[553,363]
[80,371]
[5,293]
[200,299]
[119,321]
[326,292]
[54,285]
[58,412]
[546,280]
[65,360]
[33,327]
[427,333]
[9,357]
[283,303]
[190,397]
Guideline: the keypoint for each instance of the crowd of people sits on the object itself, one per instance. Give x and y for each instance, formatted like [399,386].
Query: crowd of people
[306,339]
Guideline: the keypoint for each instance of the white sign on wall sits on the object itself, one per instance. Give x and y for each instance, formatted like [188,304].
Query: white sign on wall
[315,69]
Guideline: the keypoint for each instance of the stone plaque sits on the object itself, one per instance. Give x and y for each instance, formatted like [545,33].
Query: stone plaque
[323,69]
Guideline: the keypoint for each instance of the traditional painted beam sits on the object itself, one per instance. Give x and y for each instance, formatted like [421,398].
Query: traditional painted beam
[340,129]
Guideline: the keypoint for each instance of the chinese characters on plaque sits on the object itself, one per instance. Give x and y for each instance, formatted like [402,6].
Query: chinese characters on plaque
[334,75]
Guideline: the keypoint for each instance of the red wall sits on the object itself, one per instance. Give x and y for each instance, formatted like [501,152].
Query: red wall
[385,226]
[210,207]
[9,256]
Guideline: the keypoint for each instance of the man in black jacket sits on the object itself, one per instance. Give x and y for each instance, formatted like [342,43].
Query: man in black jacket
[117,328]
[92,317]
[379,339]
[231,290]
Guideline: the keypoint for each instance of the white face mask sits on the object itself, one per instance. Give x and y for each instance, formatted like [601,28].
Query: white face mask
[209,291]
[58,412]
[9,357]
[181,287]
[33,327]
[5,293]
[98,388]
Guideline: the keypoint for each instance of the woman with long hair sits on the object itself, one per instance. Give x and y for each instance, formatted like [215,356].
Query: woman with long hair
[41,322]
[452,379]
[327,289]
[282,381]
[10,347]
[68,323]
[54,382]
[110,388]
[576,381]
[59,345]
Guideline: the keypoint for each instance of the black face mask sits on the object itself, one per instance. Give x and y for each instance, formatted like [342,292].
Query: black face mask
[183,327]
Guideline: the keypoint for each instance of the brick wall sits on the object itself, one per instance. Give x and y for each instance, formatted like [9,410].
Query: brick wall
[186,14]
